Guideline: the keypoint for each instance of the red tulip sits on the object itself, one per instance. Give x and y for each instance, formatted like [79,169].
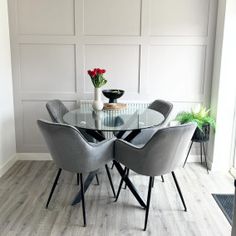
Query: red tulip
[91,73]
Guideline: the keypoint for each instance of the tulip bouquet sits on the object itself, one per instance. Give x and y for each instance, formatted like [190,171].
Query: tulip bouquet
[97,78]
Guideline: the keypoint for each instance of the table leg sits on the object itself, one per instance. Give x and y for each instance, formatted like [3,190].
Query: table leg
[129,184]
[132,135]
[100,137]
[119,168]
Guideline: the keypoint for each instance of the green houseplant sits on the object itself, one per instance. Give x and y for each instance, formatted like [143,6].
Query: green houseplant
[203,120]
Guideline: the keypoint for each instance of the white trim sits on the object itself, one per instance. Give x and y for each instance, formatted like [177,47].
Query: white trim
[34,156]
[46,157]
[196,158]
[232,171]
[8,164]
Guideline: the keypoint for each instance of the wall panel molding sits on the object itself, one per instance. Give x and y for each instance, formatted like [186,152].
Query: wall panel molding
[128,39]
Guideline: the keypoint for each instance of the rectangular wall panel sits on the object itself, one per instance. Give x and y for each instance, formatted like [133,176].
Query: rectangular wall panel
[43,17]
[112,17]
[32,111]
[47,68]
[177,72]
[121,63]
[180,18]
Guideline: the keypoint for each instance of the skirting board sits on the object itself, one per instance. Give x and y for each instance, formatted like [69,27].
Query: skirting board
[6,166]
[47,157]
[34,156]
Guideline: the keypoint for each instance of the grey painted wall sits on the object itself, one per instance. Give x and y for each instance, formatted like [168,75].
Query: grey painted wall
[151,48]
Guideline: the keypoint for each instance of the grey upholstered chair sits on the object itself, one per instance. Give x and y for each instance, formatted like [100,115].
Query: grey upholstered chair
[162,154]
[57,110]
[71,152]
[165,109]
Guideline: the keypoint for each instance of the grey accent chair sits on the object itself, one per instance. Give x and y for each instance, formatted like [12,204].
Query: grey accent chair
[165,108]
[57,110]
[162,154]
[72,152]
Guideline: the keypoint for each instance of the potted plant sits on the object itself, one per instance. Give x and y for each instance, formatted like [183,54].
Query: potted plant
[203,120]
[98,81]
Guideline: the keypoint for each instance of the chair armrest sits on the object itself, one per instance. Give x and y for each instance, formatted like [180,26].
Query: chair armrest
[128,154]
[102,143]
[121,142]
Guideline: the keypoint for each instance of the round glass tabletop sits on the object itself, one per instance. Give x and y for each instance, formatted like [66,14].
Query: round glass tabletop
[127,119]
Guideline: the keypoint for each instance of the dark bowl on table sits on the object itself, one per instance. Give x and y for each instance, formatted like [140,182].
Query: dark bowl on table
[113,94]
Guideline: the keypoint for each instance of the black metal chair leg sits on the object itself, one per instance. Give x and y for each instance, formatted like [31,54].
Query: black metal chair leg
[110,180]
[188,153]
[112,165]
[201,151]
[97,179]
[151,180]
[53,187]
[77,175]
[204,150]
[127,176]
[82,198]
[121,182]
[162,179]
[179,190]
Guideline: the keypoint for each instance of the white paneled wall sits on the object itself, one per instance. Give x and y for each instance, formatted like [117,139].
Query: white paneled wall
[151,48]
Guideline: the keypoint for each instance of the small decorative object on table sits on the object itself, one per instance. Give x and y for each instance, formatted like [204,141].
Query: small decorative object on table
[113,94]
[98,81]
[114,106]
[204,122]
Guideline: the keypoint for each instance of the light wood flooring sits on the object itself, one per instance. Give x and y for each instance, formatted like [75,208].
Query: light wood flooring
[25,188]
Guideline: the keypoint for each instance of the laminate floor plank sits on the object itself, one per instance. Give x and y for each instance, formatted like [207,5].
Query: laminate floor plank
[25,187]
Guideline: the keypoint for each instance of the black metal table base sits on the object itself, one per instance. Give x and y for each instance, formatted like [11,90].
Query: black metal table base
[129,184]
[100,137]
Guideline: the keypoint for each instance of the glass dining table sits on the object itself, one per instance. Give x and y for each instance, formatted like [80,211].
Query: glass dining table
[126,123]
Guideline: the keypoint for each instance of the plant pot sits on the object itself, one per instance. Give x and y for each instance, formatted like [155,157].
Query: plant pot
[202,135]
[97,103]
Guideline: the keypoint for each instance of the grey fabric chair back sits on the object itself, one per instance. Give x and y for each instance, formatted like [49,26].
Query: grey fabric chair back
[163,153]
[71,151]
[165,109]
[56,110]
[161,106]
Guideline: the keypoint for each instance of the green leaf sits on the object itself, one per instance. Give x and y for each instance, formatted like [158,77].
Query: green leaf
[201,118]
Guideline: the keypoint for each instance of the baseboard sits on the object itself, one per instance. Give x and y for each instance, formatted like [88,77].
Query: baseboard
[197,158]
[6,166]
[232,171]
[194,158]
[34,156]
[47,157]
